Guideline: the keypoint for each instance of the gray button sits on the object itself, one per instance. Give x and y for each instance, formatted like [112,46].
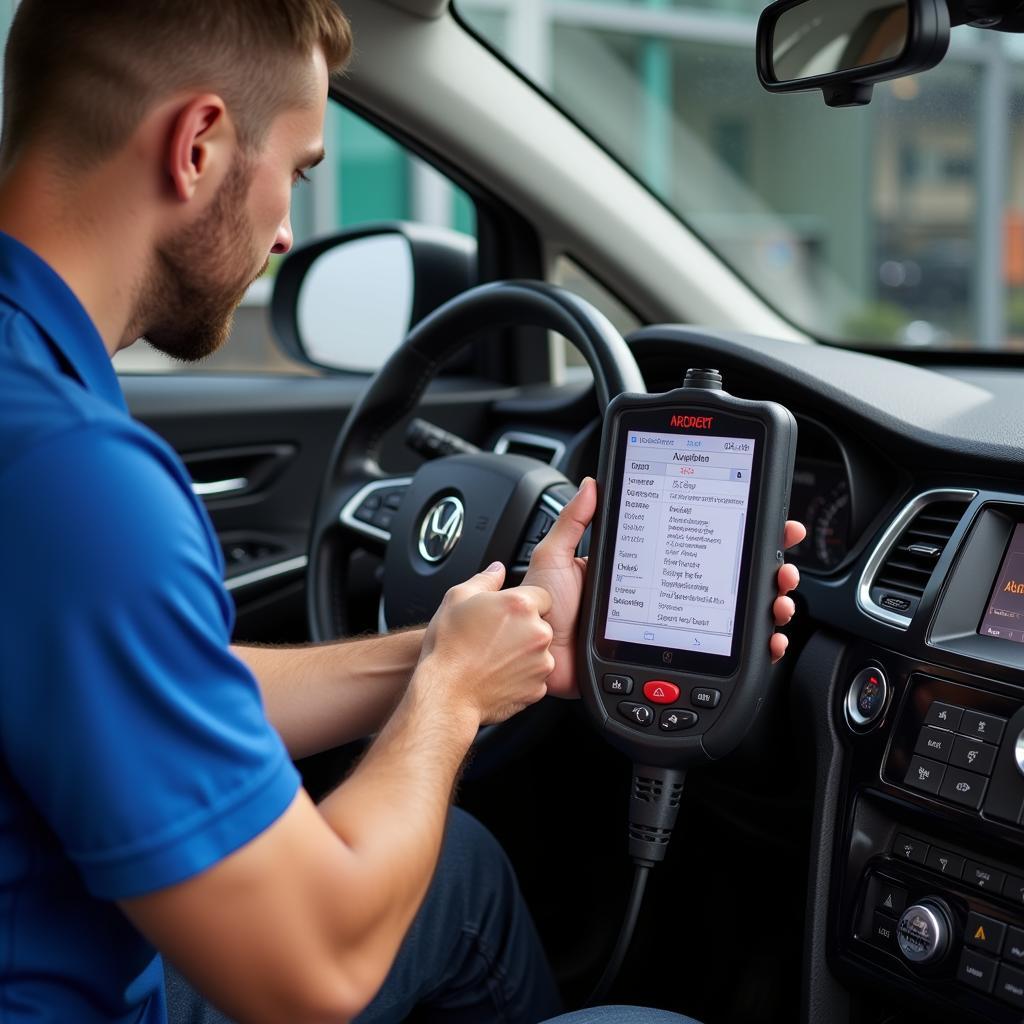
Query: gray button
[944,716]
[909,848]
[934,743]
[973,755]
[638,714]
[983,876]
[618,684]
[945,862]
[1010,986]
[1013,889]
[1015,945]
[674,719]
[977,970]
[703,697]
[964,788]
[925,775]
[982,727]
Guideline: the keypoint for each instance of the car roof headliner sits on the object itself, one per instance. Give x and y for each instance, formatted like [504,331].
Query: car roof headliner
[421,8]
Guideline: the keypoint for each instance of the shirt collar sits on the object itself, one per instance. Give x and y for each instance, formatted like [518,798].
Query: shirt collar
[31,284]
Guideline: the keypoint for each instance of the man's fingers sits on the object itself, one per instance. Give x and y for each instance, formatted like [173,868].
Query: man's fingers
[570,526]
[538,597]
[794,533]
[784,609]
[789,578]
[778,644]
[490,578]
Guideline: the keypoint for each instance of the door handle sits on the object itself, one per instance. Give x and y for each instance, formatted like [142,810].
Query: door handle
[210,488]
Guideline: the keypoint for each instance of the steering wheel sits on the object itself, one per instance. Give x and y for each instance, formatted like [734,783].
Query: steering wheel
[457,513]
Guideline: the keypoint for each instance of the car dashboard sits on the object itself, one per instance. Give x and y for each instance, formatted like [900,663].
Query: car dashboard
[908,685]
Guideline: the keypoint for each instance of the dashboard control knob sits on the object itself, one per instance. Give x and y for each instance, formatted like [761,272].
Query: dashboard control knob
[866,698]
[1018,752]
[923,932]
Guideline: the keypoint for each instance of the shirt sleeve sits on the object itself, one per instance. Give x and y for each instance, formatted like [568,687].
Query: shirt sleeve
[134,731]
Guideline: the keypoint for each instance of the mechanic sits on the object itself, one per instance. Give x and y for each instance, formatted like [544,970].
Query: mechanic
[148,799]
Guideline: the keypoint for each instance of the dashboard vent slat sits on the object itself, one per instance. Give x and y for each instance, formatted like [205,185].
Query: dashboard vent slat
[900,569]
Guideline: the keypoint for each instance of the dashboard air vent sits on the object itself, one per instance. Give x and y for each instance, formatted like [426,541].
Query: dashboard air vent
[901,566]
[537,446]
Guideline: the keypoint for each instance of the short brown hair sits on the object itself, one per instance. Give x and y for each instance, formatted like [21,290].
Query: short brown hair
[83,73]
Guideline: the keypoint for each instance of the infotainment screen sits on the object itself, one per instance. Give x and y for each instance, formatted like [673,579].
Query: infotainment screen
[679,543]
[1004,613]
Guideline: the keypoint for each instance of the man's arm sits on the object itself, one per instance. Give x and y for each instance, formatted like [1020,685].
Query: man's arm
[302,923]
[318,697]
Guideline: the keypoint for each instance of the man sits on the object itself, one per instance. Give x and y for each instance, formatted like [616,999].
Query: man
[146,802]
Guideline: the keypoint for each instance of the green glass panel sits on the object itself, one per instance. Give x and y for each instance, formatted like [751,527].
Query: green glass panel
[463,212]
[374,175]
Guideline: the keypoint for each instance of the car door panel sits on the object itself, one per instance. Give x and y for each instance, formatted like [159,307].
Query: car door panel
[257,447]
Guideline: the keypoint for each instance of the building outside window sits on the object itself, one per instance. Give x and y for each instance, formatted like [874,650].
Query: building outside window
[901,223]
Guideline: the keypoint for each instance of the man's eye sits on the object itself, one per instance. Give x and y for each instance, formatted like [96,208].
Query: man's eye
[300,176]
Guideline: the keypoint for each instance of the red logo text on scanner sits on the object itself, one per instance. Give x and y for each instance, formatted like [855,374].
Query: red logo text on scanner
[691,422]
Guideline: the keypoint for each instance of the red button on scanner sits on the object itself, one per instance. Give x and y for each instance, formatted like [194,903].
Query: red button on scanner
[658,692]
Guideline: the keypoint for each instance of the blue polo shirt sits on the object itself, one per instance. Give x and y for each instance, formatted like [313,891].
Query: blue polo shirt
[134,750]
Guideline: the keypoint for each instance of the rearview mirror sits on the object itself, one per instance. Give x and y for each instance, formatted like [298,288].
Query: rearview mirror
[843,47]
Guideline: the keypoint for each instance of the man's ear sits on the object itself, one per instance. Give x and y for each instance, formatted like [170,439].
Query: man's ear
[201,136]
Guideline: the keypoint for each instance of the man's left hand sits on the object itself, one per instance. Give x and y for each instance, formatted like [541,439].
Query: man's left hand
[556,567]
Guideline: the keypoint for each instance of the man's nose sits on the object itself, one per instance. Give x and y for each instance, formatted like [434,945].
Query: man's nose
[284,240]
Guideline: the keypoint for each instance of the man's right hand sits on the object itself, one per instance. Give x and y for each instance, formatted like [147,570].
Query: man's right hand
[487,650]
[304,921]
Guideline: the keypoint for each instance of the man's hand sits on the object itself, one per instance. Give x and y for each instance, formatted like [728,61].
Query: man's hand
[556,569]
[486,650]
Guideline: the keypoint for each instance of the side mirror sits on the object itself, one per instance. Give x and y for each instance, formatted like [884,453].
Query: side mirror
[346,302]
[843,47]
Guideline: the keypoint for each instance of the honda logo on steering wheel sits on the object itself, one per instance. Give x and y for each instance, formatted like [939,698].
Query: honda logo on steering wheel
[441,529]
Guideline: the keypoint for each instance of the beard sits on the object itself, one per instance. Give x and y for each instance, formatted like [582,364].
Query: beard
[187,303]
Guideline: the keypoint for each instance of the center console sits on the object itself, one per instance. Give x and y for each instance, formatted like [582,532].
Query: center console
[925,873]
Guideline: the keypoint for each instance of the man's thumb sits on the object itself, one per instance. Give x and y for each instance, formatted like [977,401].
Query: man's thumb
[575,518]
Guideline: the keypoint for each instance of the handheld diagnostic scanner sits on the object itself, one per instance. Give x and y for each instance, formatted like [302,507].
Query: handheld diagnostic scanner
[694,484]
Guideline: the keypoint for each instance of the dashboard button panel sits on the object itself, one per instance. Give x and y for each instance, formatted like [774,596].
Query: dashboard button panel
[959,751]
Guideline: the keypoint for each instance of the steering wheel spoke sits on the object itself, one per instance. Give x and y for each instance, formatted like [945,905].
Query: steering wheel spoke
[370,512]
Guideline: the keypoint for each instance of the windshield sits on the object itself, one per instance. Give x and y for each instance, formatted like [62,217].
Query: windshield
[900,223]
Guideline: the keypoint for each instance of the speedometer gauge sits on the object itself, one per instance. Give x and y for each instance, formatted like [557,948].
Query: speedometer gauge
[830,528]
[821,500]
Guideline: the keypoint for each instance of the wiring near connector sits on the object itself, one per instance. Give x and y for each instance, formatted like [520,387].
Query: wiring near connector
[653,808]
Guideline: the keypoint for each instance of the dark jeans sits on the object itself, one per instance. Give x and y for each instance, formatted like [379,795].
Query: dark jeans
[472,954]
